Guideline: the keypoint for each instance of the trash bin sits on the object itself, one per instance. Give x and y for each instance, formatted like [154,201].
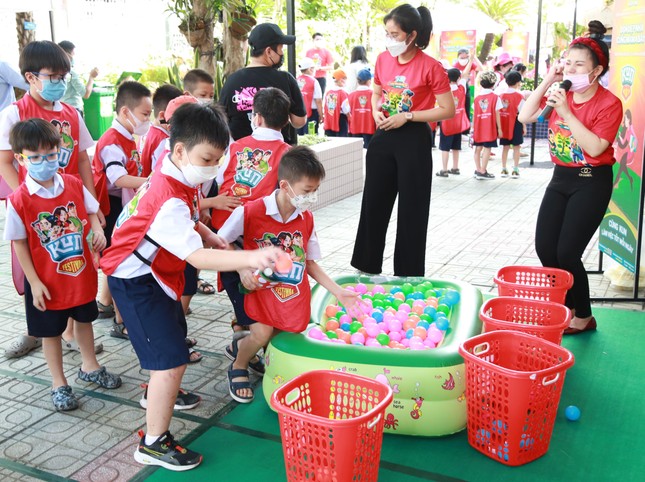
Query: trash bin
[99,110]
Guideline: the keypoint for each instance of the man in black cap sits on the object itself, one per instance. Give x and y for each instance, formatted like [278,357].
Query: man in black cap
[266,42]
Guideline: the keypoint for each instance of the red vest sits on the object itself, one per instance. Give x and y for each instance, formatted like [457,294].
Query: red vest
[133,164]
[251,173]
[333,102]
[156,135]
[286,303]
[135,220]
[459,123]
[484,118]
[306,84]
[360,105]
[56,233]
[508,114]
[66,121]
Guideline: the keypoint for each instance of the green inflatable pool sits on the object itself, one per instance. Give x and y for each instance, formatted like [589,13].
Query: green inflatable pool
[428,385]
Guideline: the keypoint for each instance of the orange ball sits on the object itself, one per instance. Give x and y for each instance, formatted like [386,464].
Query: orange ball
[343,335]
[393,344]
[408,325]
[362,331]
[432,302]
[421,332]
[399,296]
[391,310]
[331,310]
[414,318]
[417,309]
[332,325]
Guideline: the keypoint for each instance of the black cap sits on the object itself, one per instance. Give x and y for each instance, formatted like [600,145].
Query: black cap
[267,34]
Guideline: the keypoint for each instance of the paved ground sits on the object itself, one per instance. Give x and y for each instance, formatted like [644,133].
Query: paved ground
[476,227]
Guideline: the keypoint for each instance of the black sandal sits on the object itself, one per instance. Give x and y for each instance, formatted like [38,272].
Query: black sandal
[256,367]
[233,387]
[204,287]
[118,331]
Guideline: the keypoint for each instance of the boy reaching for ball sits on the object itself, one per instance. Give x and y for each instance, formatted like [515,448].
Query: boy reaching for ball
[283,303]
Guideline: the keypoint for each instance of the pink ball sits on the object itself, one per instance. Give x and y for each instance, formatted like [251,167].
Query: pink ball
[429,343]
[395,335]
[372,342]
[416,344]
[357,338]
[395,324]
[361,288]
[349,287]
[419,303]
[316,333]
[378,289]
[405,342]
[372,330]
[401,316]
[405,308]
[435,334]
[345,319]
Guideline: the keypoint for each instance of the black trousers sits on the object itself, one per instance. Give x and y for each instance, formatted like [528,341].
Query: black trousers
[398,162]
[573,206]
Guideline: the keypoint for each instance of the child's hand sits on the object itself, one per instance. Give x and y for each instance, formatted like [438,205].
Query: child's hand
[248,279]
[215,241]
[500,134]
[39,292]
[205,216]
[224,202]
[350,300]
[264,258]
[99,242]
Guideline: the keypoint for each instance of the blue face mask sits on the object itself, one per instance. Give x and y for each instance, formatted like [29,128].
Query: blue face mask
[52,92]
[43,171]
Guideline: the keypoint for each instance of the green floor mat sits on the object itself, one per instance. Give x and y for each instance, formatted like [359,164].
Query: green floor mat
[605,444]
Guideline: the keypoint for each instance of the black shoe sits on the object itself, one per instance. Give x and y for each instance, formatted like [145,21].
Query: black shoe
[166,453]
[185,400]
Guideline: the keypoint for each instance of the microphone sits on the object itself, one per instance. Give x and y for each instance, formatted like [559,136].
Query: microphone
[546,112]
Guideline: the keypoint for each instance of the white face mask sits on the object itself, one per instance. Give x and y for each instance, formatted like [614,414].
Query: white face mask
[579,82]
[205,100]
[395,48]
[303,201]
[253,124]
[463,62]
[196,175]
[139,127]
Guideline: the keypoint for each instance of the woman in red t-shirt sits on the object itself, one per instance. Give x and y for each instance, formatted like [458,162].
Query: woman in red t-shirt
[581,132]
[399,156]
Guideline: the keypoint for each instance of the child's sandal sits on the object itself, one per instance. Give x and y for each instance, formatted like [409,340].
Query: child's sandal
[233,387]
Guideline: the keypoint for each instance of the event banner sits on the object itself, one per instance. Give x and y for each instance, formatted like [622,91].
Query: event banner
[619,228]
[453,40]
[516,44]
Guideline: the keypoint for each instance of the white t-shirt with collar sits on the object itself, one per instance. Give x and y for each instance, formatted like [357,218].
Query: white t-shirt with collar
[114,153]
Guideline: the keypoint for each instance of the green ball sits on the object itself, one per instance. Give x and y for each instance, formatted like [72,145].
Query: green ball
[378,304]
[383,339]
[397,303]
[407,288]
[443,308]
[339,314]
[410,302]
[379,296]
[430,294]
[331,334]
[355,326]
[426,317]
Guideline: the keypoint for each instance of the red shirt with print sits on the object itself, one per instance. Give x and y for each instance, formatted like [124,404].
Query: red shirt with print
[322,58]
[360,105]
[484,118]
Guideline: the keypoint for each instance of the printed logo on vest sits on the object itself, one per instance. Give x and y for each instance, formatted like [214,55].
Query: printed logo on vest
[61,234]
[136,158]
[130,209]
[67,141]
[252,166]
[285,285]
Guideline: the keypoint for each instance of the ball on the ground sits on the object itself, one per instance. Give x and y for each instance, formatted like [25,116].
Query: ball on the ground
[572,413]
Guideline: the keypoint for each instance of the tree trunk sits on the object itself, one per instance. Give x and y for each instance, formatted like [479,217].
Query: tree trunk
[24,36]
[486,46]
[198,31]
[234,49]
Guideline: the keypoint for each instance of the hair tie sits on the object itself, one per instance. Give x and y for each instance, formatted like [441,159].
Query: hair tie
[595,48]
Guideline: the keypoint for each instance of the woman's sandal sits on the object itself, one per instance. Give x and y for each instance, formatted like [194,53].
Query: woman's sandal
[256,367]
[194,356]
[233,387]
[119,331]
[105,311]
[204,287]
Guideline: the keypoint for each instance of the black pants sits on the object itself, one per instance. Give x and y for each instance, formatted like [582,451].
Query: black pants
[573,206]
[343,128]
[314,117]
[399,162]
[322,81]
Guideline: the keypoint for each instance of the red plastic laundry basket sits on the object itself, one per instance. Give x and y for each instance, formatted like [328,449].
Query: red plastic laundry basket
[544,319]
[513,387]
[534,282]
[332,426]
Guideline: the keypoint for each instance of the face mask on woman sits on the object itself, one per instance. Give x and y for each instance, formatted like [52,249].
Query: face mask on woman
[395,48]
[579,82]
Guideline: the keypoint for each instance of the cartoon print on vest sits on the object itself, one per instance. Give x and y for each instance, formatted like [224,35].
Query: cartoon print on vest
[483,104]
[67,141]
[332,102]
[136,158]
[252,166]
[61,234]
[362,100]
[285,285]
[130,209]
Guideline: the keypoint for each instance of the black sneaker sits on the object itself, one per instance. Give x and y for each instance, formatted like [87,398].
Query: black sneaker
[166,453]
[185,400]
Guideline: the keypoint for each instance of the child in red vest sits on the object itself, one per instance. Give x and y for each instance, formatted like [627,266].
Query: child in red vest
[51,220]
[280,219]
[250,172]
[311,94]
[336,107]
[156,234]
[360,105]
[118,171]
[45,66]
[509,128]
[484,125]
[153,144]
[451,129]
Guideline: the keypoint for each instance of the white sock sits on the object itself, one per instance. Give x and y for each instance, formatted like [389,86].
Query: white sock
[150,439]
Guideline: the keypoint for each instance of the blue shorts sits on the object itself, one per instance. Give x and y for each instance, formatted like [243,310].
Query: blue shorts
[231,282]
[518,136]
[155,322]
[190,280]
[485,144]
[51,323]
[449,142]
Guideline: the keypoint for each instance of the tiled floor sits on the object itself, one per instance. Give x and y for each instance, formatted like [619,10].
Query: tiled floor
[476,227]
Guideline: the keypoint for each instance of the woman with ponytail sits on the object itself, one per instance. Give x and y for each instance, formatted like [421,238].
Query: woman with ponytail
[407,82]
[582,129]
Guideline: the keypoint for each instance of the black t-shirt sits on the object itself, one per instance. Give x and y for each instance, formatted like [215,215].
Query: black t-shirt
[237,98]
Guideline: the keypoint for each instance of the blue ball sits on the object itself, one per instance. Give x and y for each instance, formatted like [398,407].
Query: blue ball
[572,413]
[442,323]
[409,334]
[396,289]
[430,311]
[344,326]
[378,316]
[423,324]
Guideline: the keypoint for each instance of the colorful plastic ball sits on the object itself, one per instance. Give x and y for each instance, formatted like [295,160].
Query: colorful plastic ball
[395,325]
[402,316]
[420,332]
[405,342]
[425,317]
[395,336]
[361,288]
[345,318]
[405,307]
[408,325]
[343,335]
[452,297]
[357,339]
[435,334]
[355,326]
[378,289]
[378,316]
[362,331]
[331,310]
[383,339]
[316,333]
[409,333]
[428,343]
[572,413]
[423,324]
[399,296]
[407,288]
[442,323]
[430,294]
[372,342]
[432,302]
[396,289]
[331,334]
[417,309]
[372,330]
[344,326]
[443,308]
[332,325]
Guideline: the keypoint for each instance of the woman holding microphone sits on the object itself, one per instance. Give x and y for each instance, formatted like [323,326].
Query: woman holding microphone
[582,128]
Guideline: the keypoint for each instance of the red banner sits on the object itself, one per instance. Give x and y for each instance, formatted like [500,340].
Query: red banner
[452,41]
